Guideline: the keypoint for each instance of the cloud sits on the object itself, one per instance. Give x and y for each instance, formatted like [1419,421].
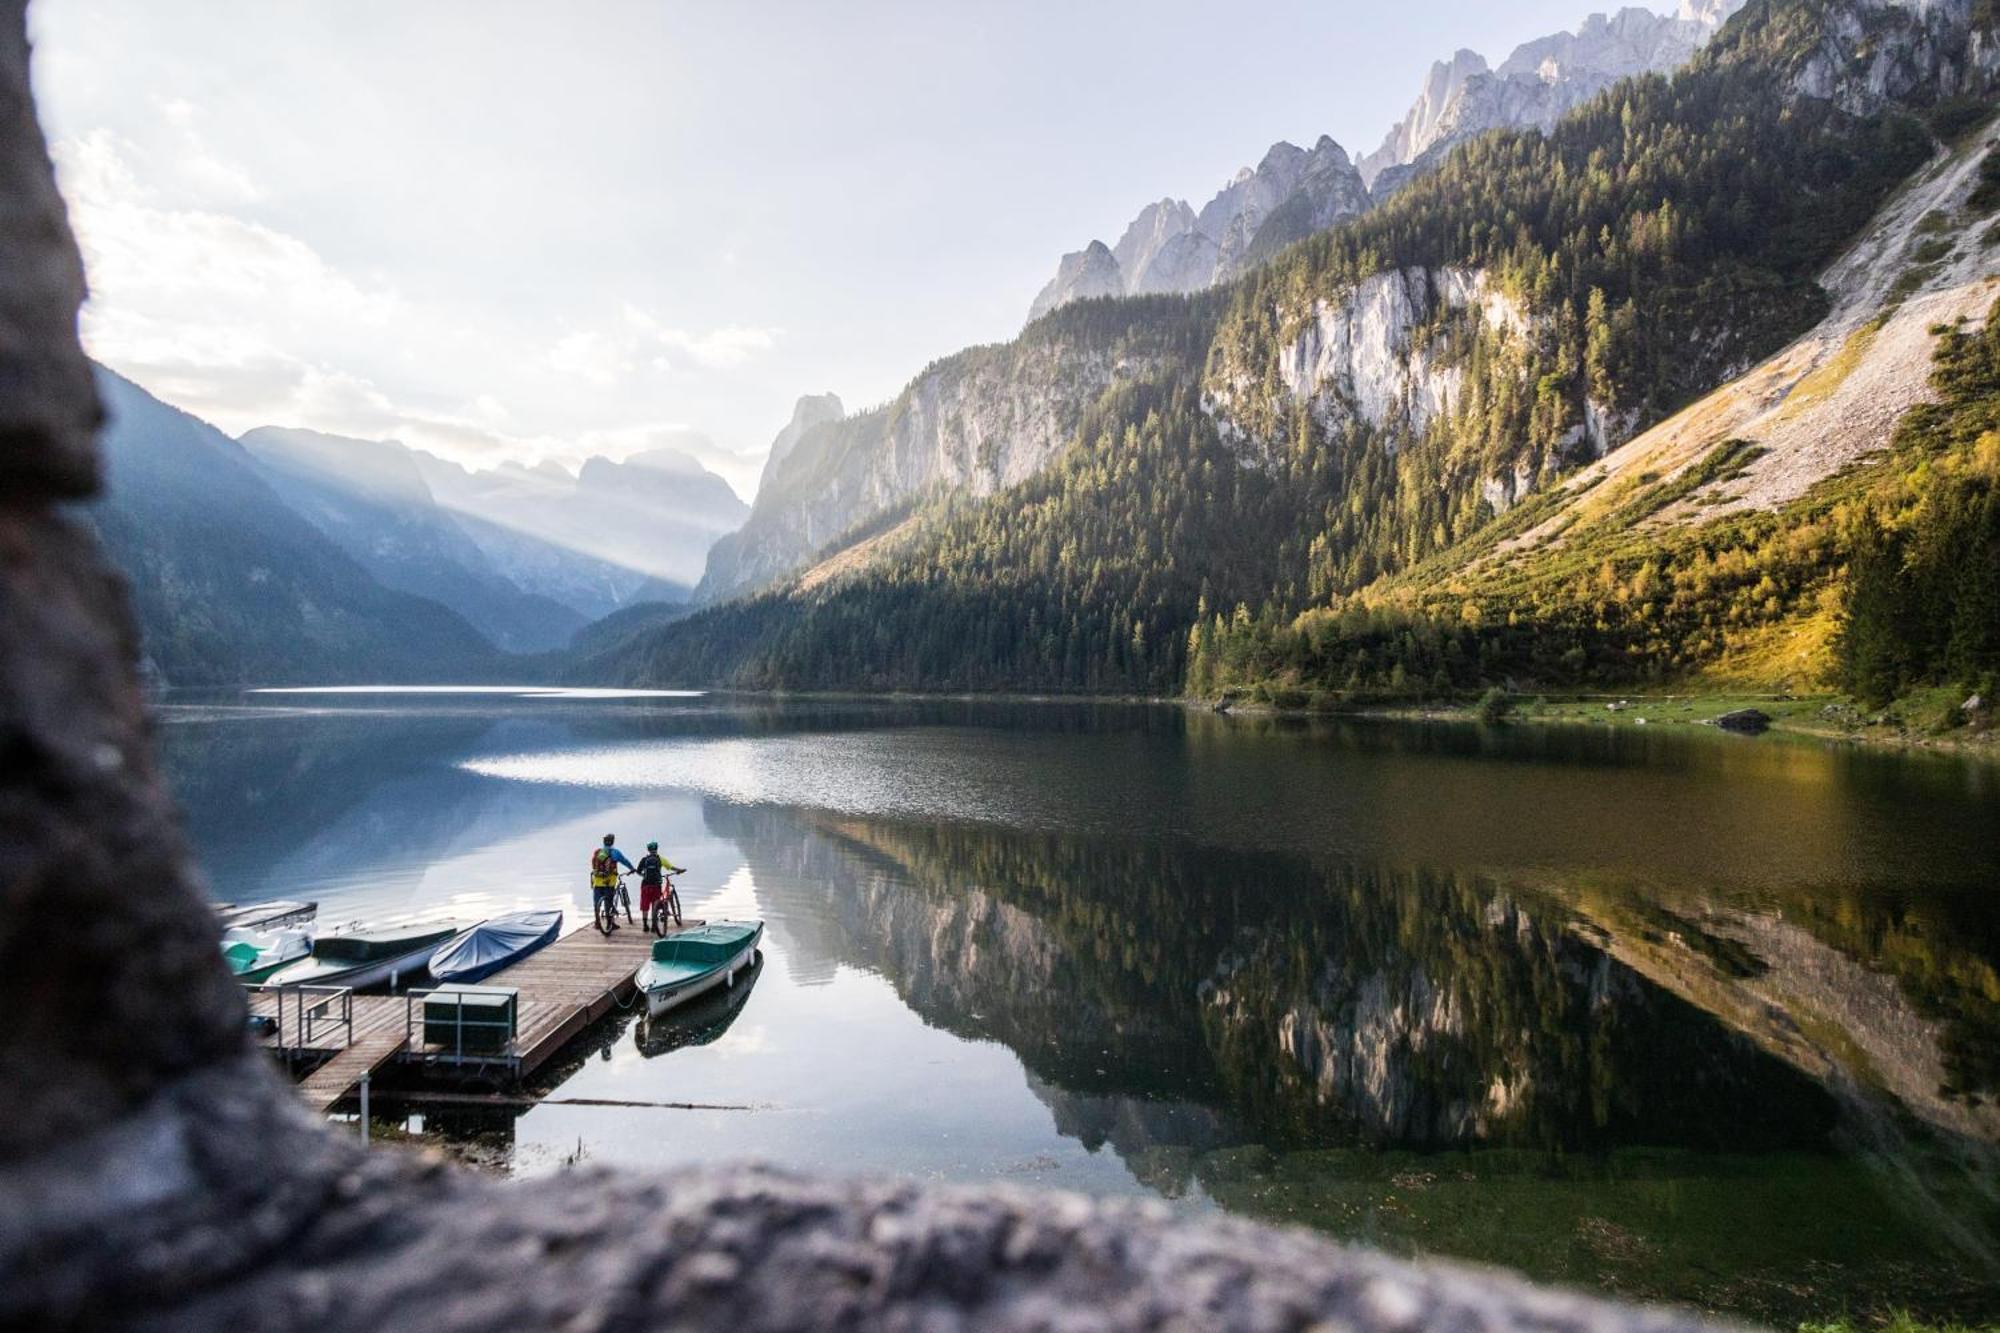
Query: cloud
[191,292]
[641,345]
[717,349]
[246,324]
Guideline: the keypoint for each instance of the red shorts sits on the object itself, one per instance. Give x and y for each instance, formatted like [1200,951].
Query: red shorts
[648,895]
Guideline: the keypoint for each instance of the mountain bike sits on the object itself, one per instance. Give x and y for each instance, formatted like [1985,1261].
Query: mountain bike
[666,907]
[604,910]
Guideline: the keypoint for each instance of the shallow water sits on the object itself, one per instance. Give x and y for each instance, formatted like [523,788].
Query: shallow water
[1669,1013]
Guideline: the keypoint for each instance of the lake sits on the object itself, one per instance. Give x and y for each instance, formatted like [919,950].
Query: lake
[1658,1011]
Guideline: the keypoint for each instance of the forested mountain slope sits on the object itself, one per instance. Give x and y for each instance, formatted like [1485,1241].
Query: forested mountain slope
[1363,420]
[233,587]
[971,424]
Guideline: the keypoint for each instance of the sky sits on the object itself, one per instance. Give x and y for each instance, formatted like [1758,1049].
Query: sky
[525,231]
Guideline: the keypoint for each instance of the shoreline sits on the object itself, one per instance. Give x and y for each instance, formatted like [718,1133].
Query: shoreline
[1824,718]
[1820,717]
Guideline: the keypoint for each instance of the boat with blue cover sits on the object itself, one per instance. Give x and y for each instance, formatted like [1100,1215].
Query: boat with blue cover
[695,961]
[475,954]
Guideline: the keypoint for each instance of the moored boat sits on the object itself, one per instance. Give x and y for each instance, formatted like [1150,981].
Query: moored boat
[253,955]
[273,915]
[367,957]
[700,1021]
[693,962]
[475,954]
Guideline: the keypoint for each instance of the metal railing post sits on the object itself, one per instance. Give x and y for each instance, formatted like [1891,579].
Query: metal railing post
[364,1108]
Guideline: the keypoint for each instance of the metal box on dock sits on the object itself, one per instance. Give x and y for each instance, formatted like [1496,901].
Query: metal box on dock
[471,1020]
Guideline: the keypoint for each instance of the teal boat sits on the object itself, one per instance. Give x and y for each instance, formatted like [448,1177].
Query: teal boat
[695,961]
[701,1021]
[253,955]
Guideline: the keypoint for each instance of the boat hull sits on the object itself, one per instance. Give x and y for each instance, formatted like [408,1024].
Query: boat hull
[266,916]
[661,999]
[261,973]
[358,976]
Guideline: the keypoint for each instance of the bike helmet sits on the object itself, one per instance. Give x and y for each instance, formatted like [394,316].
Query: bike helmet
[652,846]
[610,838]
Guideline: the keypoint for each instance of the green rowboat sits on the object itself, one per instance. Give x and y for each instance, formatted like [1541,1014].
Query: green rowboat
[693,962]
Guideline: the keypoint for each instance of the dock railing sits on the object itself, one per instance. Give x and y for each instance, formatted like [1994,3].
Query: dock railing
[492,1039]
[316,1013]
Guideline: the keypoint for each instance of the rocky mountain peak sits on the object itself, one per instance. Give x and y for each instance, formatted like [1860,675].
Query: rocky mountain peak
[1082,274]
[1538,83]
[1281,156]
[1169,247]
[812,409]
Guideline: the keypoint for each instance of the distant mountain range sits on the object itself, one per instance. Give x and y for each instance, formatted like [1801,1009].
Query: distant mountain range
[293,555]
[371,500]
[1294,192]
[232,585]
[655,514]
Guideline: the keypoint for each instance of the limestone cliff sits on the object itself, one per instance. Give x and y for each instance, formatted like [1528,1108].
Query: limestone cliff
[971,424]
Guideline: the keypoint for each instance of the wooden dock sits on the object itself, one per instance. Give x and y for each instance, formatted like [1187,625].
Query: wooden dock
[326,1085]
[345,1037]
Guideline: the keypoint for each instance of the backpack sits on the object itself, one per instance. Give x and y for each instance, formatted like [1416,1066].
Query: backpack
[600,862]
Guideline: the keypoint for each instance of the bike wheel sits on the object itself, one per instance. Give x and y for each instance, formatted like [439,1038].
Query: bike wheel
[625,901]
[671,905]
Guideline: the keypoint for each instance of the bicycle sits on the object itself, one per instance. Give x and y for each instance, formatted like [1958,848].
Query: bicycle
[666,906]
[604,908]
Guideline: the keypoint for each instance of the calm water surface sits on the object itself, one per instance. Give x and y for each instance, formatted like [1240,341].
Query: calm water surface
[1668,1014]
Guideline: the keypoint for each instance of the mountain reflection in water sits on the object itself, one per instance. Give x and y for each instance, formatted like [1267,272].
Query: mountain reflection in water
[1679,1017]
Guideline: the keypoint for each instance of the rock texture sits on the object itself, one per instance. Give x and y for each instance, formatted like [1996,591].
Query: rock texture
[47,409]
[1373,355]
[1169,247]
[1537,84]
[1876,51]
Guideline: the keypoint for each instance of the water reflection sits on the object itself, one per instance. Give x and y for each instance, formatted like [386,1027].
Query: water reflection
[1674,1016]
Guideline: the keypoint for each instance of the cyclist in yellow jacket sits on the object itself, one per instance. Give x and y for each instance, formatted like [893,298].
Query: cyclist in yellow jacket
[604,863]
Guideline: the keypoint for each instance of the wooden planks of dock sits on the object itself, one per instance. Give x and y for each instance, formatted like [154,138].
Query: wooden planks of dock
[564,988]
[326,1085]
